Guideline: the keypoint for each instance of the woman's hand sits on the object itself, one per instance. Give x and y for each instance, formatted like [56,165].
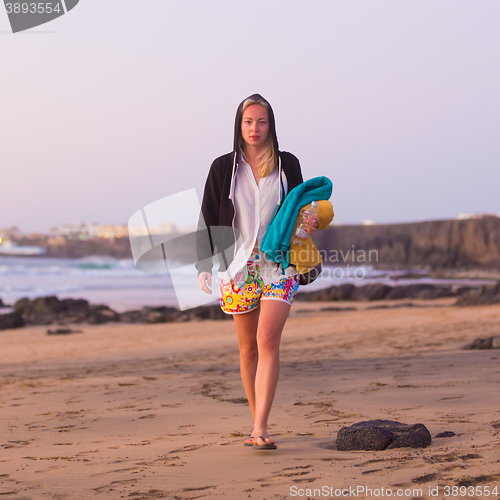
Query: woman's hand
[311,222]
[203,279]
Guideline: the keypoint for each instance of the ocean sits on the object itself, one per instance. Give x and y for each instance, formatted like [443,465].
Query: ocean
[117,283]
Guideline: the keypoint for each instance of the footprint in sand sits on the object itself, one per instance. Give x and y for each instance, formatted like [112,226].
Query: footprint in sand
[426,478]
[50,469]
[114,483]
[192,447]
[288,472]
[168,461]
[16,444]
[201,488]
[150,495]
[117,471]
[474,481]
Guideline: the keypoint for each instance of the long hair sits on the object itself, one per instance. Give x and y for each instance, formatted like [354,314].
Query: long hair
[267,158]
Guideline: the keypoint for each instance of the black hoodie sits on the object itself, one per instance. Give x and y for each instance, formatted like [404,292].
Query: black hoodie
[217,207]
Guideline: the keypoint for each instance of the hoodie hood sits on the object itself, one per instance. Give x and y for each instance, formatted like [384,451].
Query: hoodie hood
[239,116]
[237,136]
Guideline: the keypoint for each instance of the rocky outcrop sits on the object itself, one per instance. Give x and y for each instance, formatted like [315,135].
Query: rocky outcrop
[166,314]
[161,314]
[379,291]
[382,435]
[485,343]
[50,305]
[487,294]
[469,243]
[11,320]
[51,310]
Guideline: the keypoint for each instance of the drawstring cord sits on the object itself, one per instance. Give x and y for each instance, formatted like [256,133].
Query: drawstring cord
[279,179]
[232,176]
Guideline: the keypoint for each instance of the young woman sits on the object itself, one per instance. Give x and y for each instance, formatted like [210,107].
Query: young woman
[244,190]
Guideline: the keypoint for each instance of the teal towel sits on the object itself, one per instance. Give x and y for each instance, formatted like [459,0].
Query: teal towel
[276,242]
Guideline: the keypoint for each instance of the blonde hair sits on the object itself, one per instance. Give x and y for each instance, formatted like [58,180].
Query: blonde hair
[267,158]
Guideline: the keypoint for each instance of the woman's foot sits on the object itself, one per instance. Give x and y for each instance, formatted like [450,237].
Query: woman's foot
[249,441]
[264,443]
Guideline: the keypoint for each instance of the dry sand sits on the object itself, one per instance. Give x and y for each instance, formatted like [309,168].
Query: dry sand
[157,411]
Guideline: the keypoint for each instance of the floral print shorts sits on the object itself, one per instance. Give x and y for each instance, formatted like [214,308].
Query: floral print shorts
[244,292]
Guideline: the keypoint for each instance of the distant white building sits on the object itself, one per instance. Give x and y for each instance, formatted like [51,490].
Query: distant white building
[484,215]
[107,231]
[12,232]
[86,231]
[369,222]
[163,228]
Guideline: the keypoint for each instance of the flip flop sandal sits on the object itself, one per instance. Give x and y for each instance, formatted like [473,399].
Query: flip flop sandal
[266,446]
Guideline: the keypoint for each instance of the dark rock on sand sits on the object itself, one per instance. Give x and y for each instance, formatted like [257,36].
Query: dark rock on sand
[381,435]
[209,312]
[445,434]
[50,310]
[11,320]
[487,294]
[375,291]
[425,291]
[161,314]
[62,331]
[487,343]
[99,314]
[380,291]
[342,292]
[171,314]
[50,305]
[74,305]
[41,305]
[333,308]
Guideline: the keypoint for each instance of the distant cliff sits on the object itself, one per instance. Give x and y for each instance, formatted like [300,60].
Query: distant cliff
[439,244]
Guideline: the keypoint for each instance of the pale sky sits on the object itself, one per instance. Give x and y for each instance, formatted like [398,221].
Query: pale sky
[120,103]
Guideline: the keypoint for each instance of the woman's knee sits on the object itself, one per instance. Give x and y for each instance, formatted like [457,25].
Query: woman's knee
[249,351]
[268,341]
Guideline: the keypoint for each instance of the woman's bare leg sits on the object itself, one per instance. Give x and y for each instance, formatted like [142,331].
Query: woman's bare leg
[246,329]
[273,315]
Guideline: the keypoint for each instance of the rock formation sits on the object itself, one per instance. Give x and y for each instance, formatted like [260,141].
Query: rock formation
[467,243]
[381,435]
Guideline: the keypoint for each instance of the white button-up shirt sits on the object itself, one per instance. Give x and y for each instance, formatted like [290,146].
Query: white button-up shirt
[255,206]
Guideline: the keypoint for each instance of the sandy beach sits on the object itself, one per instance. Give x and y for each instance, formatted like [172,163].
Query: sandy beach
[158,411]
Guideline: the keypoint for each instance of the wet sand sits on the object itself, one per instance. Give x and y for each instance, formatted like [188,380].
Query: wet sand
[158,411]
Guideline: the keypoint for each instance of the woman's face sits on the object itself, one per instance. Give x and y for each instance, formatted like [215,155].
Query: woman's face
[255,125]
